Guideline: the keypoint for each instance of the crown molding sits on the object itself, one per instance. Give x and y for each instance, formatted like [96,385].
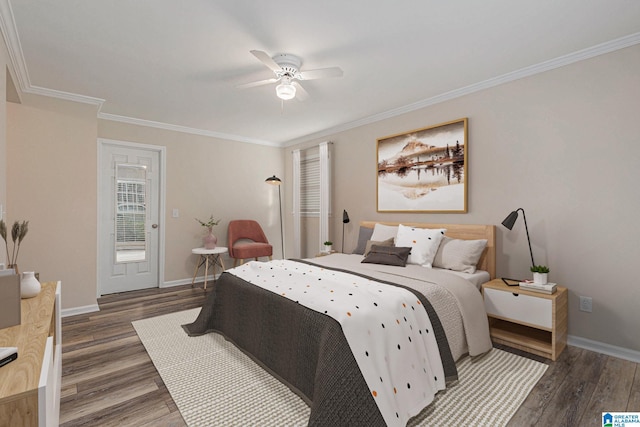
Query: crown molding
[14,49]
[68,96]
[552,64]
[183,129]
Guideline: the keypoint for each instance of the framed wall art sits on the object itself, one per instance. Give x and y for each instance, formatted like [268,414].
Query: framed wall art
[424,170]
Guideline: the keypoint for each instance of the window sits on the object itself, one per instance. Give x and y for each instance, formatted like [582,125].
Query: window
[311,192]
[131,212]
[310,187]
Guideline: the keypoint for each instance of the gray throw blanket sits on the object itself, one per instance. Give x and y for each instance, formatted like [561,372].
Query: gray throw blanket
[304,349]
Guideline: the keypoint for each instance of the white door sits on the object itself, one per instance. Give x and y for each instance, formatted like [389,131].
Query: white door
[129,206]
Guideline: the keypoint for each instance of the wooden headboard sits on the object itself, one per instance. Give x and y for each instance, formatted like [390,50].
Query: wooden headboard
[460,231]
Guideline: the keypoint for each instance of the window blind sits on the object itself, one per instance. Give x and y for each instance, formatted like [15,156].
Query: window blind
[310,187]
[130,211]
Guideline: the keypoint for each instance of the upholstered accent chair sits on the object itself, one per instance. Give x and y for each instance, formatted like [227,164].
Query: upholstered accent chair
[247,240]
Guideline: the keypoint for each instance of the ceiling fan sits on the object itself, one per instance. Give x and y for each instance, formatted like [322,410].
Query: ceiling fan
[288,73]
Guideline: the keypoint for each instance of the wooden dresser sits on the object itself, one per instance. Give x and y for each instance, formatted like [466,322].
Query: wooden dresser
[30,385]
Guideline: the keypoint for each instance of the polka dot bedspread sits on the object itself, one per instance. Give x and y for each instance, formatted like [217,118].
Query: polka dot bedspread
[387,328]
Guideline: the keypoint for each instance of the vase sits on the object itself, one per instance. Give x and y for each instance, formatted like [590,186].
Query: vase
[209,241]
[540,278]
[29,285]
[15,268]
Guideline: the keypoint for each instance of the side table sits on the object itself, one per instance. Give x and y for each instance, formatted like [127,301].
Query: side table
[206,257]
[531,321]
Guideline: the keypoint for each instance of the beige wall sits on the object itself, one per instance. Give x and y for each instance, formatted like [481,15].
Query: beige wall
[51,175]
[208,176]
[565,146]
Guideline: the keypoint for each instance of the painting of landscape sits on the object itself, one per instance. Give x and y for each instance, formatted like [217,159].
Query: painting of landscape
[424,170]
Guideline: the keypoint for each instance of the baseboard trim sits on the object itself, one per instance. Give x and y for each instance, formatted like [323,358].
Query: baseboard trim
[79,310]
[608,349]
[181,282]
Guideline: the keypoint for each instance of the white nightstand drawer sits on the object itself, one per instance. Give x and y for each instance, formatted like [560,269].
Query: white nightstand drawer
[521,308]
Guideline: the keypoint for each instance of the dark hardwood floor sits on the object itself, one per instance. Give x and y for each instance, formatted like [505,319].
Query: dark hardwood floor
[108,379]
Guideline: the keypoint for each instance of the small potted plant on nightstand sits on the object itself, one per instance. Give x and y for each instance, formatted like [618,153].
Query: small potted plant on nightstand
[540,274]
[327,246]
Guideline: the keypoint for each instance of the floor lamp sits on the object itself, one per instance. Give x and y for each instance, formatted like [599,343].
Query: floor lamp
[345,220]
[508,223]
[274,180]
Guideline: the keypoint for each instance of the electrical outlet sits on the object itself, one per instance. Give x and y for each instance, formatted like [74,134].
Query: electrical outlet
[585,304]
[176,213]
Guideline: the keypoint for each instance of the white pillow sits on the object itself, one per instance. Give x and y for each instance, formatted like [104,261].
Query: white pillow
[459,255]
[383,232]
[423,242]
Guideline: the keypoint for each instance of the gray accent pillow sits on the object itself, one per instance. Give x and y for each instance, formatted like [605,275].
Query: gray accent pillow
[364,235]
[370,243]
[459,255]
[388,255]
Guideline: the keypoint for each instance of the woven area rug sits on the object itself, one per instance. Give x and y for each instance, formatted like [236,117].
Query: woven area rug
[215,384]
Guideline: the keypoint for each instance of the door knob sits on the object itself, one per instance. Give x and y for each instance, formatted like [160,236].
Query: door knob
[154,225]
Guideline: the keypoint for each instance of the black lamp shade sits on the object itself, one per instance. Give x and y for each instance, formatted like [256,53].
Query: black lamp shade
[510,220]
[273,180]
[345,217]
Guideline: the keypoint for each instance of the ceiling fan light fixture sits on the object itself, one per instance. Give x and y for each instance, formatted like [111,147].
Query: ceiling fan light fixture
[286,91]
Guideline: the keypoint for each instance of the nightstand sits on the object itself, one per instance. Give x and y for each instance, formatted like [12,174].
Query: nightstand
[531,321]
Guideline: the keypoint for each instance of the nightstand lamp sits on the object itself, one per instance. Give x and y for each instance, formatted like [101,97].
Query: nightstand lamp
[508,223]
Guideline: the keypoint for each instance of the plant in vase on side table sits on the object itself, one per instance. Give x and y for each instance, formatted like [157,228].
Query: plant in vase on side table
[540,274]
[209,241]
[540,282]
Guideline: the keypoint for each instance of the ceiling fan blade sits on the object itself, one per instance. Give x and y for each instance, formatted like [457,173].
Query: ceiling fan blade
[321,73]
[266,60]
[301,93]
[258,83]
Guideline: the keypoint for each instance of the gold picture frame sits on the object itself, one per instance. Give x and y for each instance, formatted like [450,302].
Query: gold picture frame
[424,170]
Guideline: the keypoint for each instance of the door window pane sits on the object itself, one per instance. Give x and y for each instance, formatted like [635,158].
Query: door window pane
[131,215]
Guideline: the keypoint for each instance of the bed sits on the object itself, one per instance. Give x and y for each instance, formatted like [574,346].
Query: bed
[314,346]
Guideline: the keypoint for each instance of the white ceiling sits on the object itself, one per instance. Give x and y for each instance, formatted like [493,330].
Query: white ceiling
[176,63]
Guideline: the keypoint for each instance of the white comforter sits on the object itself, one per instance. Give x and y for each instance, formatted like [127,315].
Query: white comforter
[457,302]
[387,328]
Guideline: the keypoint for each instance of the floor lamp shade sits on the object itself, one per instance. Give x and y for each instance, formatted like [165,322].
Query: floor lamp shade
[274,180]
[510,220]
[345,217]
[345,220]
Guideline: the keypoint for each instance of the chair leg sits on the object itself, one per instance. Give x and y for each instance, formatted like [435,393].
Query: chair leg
[270,257]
